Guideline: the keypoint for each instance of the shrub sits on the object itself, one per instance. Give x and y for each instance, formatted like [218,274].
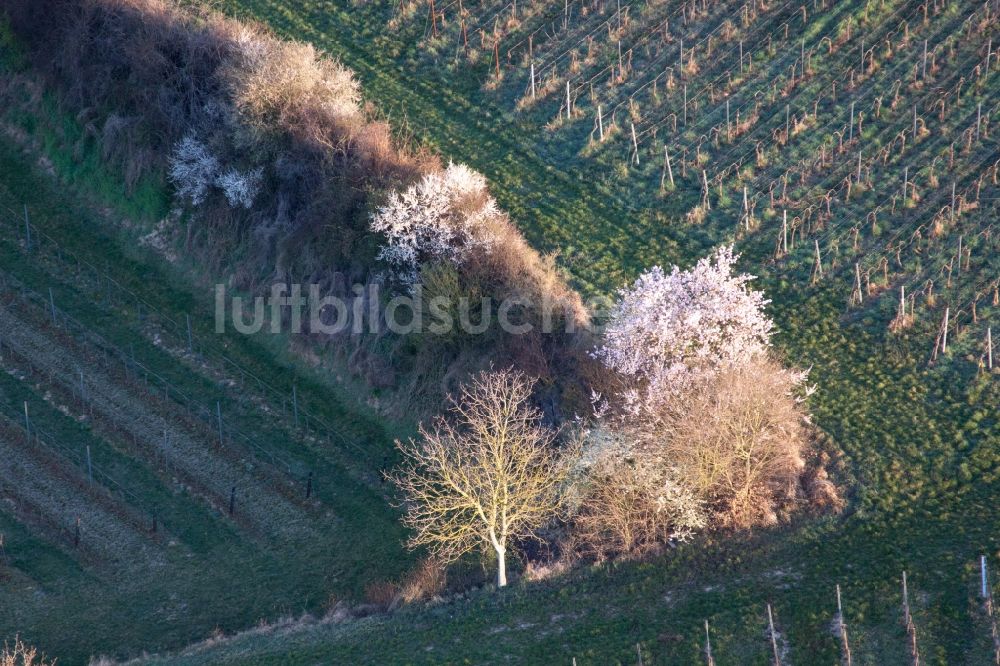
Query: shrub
[738,439]
[635,503]
[382,594]
[240,188]
[193,169]
[277,86]
[426,580]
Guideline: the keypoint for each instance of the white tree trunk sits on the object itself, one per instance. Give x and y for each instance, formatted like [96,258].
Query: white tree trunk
[501,566]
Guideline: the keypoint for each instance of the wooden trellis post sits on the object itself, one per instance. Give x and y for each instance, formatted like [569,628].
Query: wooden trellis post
[842,625]
[784,231]
[635,145]
[704,191]
[987,595]
[709,659]
[818,268]
[746,209]
[944,331]
[600,122]
[569,102]
[668,170]
[911,629]
[774,638]
[989,348]
[857,283]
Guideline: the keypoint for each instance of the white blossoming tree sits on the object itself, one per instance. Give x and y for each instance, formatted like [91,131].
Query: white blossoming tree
[240,187]
[193,169]
[668,329]
[708,414]
[444,216]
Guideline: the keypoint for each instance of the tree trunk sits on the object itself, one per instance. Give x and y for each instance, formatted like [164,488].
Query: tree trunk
[501,567]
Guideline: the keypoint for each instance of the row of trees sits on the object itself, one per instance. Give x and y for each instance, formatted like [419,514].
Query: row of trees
[701,427]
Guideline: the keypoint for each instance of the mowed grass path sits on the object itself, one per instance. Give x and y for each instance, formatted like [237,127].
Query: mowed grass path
[125,588]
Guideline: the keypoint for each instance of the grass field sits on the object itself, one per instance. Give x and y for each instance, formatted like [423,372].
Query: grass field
[917,444]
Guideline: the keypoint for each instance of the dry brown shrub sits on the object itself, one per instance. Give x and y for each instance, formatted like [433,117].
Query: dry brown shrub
[739,439]
[287,86]
[620,515]
[381,594]
[426,580]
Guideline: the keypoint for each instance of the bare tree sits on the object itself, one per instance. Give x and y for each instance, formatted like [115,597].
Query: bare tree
[484,477]
[20,654]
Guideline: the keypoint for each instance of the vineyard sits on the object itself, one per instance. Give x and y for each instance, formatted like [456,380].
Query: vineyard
[848,143]
[850,149]
[136,443]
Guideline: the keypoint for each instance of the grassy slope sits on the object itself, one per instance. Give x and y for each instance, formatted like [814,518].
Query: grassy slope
[218,575]
[921,443]
[556,204]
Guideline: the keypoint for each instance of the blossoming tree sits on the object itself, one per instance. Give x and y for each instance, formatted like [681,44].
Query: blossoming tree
[445,216]
[670,328]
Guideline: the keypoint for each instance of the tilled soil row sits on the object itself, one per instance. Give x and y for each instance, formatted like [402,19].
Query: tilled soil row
[282,471]
[332,445]
[260,502]
[248,391]
[43,489]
